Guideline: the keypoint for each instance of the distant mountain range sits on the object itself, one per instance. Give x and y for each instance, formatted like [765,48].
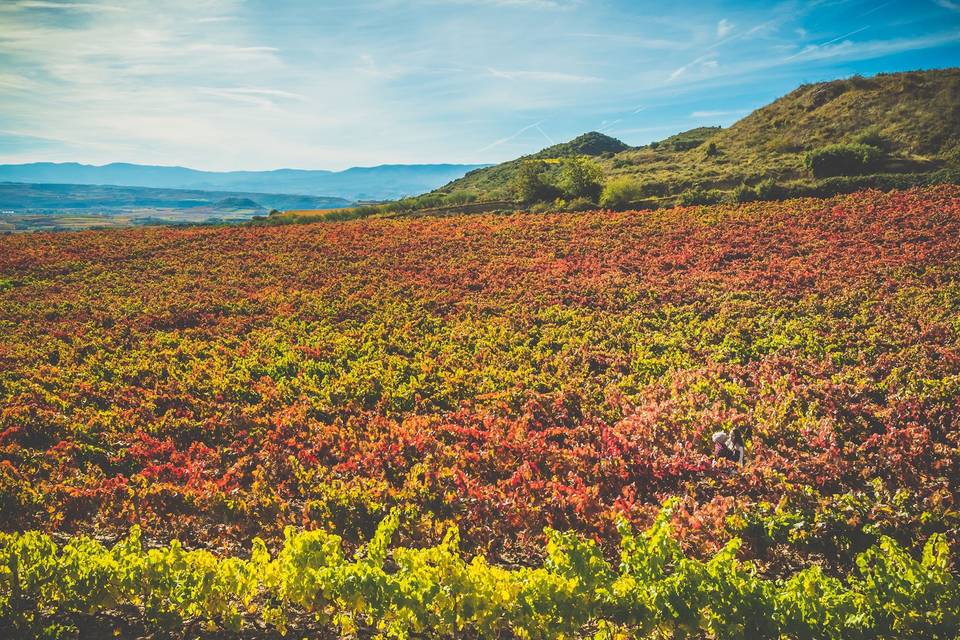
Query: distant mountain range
[382,182]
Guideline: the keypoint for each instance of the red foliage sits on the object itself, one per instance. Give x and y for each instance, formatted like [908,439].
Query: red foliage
[508,372]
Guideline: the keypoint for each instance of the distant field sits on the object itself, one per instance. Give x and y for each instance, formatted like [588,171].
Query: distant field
[66,207]
[68,220]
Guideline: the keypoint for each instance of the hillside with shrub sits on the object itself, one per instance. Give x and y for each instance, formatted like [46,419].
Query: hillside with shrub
[886,131]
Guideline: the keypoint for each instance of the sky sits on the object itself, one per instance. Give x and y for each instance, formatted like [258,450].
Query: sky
[317,84]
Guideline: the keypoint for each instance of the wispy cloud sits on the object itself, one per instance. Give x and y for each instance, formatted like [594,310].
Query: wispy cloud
[370,65]
[815,47]
[528,4]
[705,62]
[259,97]
[865,50]
[948,4]
[636,41]
[65,6]
[608,125]
[18,82]
[718,114]
[213,19]
[542,76]
[229,49]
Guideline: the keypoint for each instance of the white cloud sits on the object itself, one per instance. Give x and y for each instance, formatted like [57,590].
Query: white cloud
[865,50]
[636,41]
[229,49]
[213,19]
[64,6]
[705,62]
[528,4]
[815,47]
[948,4]
[724,27]
[717,114]
[542,76]
[17,82]
[265,98]
[370,66]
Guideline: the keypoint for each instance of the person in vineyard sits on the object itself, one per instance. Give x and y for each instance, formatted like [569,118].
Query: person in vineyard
[737,446]
[721,447]
[729,446]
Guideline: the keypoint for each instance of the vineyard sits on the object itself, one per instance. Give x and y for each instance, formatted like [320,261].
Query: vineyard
[489,426]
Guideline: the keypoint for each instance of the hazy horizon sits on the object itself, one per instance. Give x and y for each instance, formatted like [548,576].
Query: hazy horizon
[227,85]
[242,170]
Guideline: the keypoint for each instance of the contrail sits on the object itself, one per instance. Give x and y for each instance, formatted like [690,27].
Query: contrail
[877,8]
[609,125]
[497,143]
[549,139]
[823,44]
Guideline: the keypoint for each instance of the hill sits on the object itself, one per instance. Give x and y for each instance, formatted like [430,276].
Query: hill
[912,119]
[495,182]
[587,144]
[234,202]
[357,183]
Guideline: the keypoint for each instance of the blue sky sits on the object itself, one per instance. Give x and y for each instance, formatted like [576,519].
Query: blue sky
[260,84]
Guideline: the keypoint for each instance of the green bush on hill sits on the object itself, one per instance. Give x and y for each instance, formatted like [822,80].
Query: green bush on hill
[581,178]
[460,197]
[529,185]
[769,190]
[579,204]
[684,145]
[654,188]
[543,207]
[871,136]
[700,196]
[842,160]
[619,192]
[947,175]
[744,193]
